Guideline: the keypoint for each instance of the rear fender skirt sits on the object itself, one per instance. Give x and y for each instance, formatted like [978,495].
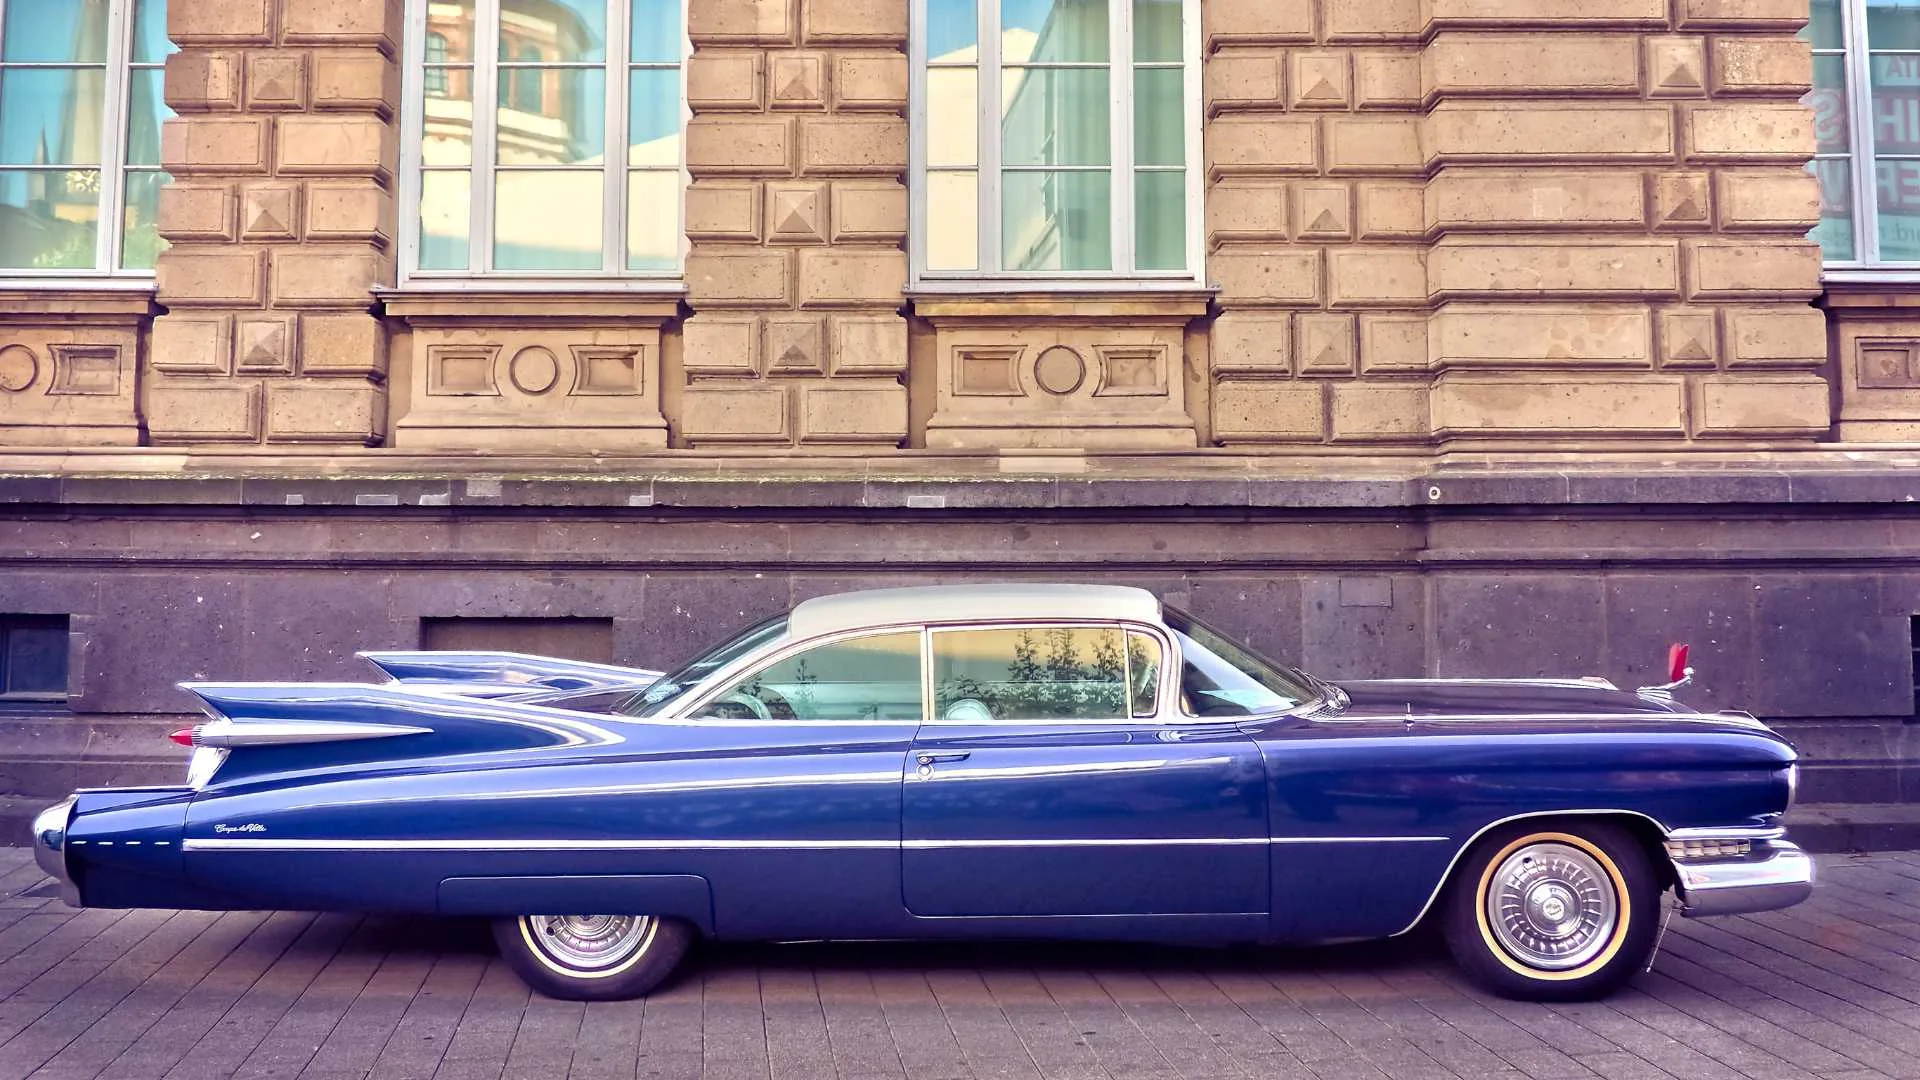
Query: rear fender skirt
[682,896]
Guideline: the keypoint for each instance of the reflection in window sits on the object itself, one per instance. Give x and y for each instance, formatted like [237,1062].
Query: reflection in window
[531,185]
[1033,673]
[1056,137]
[75,195]
[1866,107]
[867,678]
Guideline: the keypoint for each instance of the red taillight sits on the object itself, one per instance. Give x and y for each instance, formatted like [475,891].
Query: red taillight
[184,736]
[1677,663]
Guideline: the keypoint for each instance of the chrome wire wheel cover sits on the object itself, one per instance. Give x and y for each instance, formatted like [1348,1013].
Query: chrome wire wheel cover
[1552,906]
[588,944]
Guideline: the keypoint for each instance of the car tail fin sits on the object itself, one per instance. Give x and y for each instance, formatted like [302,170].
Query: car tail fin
[265,720]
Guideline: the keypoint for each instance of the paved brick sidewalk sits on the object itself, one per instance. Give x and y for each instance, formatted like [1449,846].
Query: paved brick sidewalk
[1831,990]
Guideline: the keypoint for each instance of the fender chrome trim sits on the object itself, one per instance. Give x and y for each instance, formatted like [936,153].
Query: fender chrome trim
[232,733]
[1744,886]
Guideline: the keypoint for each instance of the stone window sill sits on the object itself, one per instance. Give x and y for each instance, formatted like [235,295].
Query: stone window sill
[19,300]
[1093,303]
[516,305]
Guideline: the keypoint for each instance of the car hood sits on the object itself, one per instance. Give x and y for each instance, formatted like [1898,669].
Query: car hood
[1437,698]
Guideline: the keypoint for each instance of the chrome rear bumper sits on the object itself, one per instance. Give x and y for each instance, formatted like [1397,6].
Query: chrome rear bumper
[1781,878]
[50,848]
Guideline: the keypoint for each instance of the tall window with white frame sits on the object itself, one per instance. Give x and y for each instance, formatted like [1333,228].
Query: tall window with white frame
[544,139]
[80,116]
[1056,140]
[1866,105]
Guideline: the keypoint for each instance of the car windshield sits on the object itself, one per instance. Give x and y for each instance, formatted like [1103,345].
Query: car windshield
[1221,678]
[659,695]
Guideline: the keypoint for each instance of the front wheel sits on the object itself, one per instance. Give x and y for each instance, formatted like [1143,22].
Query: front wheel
[592,957]
[1567,911]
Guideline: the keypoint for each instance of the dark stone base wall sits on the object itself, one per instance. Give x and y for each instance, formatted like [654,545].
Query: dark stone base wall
[1798,612]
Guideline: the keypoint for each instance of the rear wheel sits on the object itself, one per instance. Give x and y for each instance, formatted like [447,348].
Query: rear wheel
[1561,911]
[592,957]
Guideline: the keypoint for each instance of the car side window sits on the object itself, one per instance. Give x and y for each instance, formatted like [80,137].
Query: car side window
[1030,673]
[1143,674]
[866,678]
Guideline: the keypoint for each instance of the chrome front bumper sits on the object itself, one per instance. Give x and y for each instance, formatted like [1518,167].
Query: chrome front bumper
[1781,878]
[50,848]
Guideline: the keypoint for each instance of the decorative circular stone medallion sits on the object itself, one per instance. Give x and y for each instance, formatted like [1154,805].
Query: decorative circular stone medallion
[534,370]
[1059,370]
[18,368]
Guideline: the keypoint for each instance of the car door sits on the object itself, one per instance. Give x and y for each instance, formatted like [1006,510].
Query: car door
[1050,781]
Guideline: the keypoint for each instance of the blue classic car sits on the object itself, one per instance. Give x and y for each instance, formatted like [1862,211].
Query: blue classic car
[959,762]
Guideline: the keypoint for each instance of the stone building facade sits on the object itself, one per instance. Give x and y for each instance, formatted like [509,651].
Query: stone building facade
[1462,336]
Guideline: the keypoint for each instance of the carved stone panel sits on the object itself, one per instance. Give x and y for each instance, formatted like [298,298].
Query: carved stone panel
[1092,373]
[69,368]
[552,375]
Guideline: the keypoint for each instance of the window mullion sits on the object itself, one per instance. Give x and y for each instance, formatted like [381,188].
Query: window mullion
[1120,253]
[413,107]
[486,114]
[613,195]
[988,74]
[919,177]
[117,83]
[1859,78]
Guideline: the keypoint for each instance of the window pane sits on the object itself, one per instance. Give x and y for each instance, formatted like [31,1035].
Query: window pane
[1156,30]
[870,678]
[552,116]
[653,220]
[74,31]
[150,44]
[1042,673]
[1056,221]
[953,221]
[653,118]
[445,218]
[1053,31]
[1891,24]
[656,32]
[1896,102]
[1160,220]
[1159,127]
[1834,233]
[446,130]
[553,31]
[547,221]
[452,20]
[1143,674]
[953,116]
[1054,117]
[953,30]
[146,111]
[1828,100]
[140,244]
[36,660]
[51,116]
[1899,186]
[49,218]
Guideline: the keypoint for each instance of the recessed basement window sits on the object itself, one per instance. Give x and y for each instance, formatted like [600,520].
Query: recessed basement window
[569,639]
[33,657]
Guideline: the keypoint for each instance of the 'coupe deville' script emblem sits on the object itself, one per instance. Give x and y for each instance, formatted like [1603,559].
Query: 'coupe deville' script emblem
[251,826]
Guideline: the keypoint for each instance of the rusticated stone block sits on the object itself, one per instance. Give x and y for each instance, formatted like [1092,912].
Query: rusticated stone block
[1689,338]
[1472,199]
[1386,80]
[1373,145]
[794,344]
[192,345]
[276,81]
[1459,131]
[740,22]
[1465,336]
[1253,344]
[1276,278]
[1267,145]
[209,22]
[1321,80]
[1681,201]
[1256,21]
[727,277]
[869,346]
[868,210]
[265,344]
[1327,344]
[1777,337]
[336,145]
[197,212]
[1467,267]
[269,211]
[851,277]
[853,146]
[1322,211]
[348,210]
[1761,65]
[1368,20]
[1676,66]
[726,80]
[341,22]
[1785,199]
[1546,13]
[193,276]
[203,81]
[719,145]
[1237,79]
[1393,344]
[1377,277]
[709,417]
[360,79]
[322,277]
[1268,412]
[797,80]
[724,210]
[721,348]
[208,144]
[877,81]
[1749,131]
[1369,412]
[1468,404]
[342,344]
[1553,63]
[352,413]
[1390,210]
[1742,14]
[1247,210]
[870,412]
[1746,406]
[797,213]
[1788,269]
[201,411]
[853,21]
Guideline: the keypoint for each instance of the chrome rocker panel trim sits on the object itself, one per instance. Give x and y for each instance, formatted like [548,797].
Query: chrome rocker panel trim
[50,847]
[1744,886]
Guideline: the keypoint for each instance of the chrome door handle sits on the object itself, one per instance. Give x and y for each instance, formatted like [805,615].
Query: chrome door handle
[938,759]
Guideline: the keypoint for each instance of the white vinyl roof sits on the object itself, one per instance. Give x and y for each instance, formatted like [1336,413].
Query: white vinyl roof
[1011,602]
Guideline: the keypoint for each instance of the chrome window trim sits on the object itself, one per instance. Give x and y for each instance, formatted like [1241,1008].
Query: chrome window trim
[689,844]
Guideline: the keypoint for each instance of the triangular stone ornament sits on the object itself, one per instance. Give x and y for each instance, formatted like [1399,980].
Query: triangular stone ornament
[1688,210]
[1692,350]
[1681,77]
[1326,222]
[273,90]
[264,221]
[796,87]
[1322,91]
[1329,357]
[794,357]
[265,349]
[795,221]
